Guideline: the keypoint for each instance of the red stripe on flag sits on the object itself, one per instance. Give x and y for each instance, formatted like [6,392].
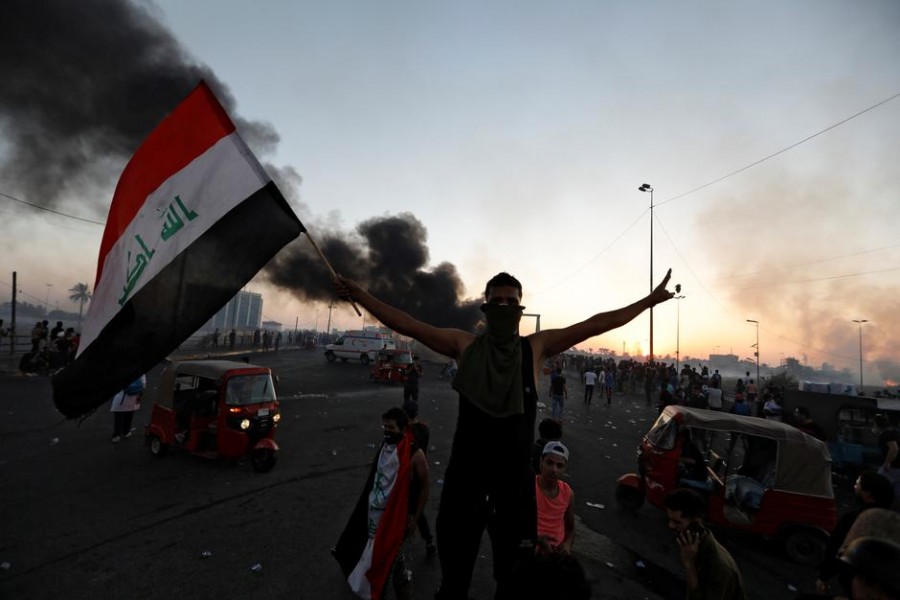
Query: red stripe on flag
[187,132]
[392,526]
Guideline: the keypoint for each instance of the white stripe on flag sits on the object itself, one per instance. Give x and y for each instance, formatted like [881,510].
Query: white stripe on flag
[171,219]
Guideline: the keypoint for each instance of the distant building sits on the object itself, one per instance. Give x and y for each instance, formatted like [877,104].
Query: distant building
[724,362]
[271,325]
[242,313]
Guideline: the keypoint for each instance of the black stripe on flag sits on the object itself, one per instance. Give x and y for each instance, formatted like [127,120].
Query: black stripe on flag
[178,301]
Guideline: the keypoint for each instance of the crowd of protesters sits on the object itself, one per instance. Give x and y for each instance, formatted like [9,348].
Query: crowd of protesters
[664,384]
[264,339]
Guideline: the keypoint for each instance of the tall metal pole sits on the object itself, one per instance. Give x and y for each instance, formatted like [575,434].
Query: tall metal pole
[757,348]
[537,320]
[646,187]
[860,321]
[12,326]
[328,327]
[678,337]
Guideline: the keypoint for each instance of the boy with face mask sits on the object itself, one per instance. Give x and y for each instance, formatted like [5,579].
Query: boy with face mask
[370,548]
[495,425]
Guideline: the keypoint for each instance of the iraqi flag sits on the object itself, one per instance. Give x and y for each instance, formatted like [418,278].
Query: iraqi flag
[367,561]
[194,217]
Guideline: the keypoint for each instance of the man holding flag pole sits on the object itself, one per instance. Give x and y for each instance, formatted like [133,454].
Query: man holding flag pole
[495,426]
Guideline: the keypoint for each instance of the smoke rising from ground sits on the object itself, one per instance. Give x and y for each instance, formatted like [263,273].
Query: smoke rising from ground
[89,80]
[788,285]
[92,78]
[388,256]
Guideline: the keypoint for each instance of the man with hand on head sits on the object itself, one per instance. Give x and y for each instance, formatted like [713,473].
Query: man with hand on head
[495,425]
[711,571]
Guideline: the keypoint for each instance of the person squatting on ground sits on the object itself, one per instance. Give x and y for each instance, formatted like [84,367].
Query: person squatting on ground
[123,406]
[370,550]
[495,423]
[555,501]
[710,570]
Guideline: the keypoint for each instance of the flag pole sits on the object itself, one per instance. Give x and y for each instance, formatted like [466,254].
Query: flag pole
[330,268]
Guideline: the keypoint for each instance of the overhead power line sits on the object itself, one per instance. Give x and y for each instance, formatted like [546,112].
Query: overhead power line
[782,151]
[50,210]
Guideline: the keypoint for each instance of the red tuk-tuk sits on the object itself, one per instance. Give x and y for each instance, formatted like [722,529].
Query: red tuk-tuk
[391,366]
[758,476]
[216,409]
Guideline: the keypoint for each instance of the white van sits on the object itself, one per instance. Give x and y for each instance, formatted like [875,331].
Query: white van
[358,345]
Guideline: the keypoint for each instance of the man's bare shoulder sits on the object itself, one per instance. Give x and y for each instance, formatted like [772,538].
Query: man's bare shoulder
[539,341]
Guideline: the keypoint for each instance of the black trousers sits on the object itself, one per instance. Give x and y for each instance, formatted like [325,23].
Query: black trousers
[488,484]
[122,422]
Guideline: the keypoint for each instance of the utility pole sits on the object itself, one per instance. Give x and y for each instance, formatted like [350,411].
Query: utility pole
[12,326]
[537,325]
[860,322]
[328,328]
[646,187]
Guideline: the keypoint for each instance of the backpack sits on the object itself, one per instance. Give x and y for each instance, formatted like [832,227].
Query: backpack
[134,388]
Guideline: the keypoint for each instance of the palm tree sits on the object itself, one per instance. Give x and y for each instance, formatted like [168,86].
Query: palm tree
[81,293]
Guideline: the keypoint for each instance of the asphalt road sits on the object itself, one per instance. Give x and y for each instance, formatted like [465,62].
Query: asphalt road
[84,518]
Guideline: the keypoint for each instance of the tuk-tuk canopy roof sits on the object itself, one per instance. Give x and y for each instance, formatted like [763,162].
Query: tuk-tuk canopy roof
[803,464]
[207,369]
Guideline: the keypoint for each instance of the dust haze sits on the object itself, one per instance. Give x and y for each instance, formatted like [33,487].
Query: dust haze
[798,258]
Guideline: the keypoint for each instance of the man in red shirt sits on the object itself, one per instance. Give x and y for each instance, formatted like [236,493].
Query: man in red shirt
[555,501]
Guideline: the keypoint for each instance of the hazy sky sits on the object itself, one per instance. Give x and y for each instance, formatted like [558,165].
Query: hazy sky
[517,134]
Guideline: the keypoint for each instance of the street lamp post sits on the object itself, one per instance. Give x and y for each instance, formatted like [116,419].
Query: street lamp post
[646,187]
[537,320]
[757,348]
[47,298]
[678,336]
[860,322]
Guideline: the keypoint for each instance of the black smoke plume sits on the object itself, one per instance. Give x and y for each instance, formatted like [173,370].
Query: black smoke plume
[84,83]
[388,256]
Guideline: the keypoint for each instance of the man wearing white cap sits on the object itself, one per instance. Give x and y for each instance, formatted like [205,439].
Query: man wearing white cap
[555,501]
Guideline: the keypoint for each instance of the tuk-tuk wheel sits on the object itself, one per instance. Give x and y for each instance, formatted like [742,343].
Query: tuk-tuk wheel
[629,498]
[157,447]
[806,546]
[263,459]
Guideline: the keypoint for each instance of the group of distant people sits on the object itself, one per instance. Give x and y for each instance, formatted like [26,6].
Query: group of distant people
[51,349]
[269,340]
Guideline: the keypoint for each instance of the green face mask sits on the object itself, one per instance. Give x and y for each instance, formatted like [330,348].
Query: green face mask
[502,319]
